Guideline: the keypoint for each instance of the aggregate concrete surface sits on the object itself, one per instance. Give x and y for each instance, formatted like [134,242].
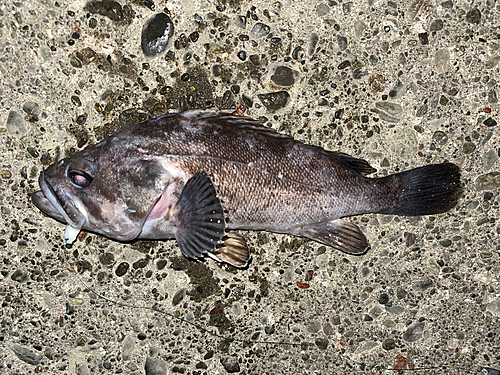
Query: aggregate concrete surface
[400,84]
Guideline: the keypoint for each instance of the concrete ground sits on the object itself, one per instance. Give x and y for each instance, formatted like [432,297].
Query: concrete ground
[399,84]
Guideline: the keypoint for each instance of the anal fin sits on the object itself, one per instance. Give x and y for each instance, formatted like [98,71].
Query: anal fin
[233,250]
[340,234]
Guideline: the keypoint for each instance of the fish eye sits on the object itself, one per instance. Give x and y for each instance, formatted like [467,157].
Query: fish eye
[79,178]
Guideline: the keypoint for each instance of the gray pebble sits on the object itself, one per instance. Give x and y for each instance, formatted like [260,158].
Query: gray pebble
[111,9]
[31,108]
[388,344]
[489,159]
[313,42]
[178,296]
[26,355]
[322,9]
[488,181]
[155,366]
[414,332]
[156,34]
[423,285]
[441,138]
[342,42]
[390,112]
[230,364]
[82,369]
[128,347]
[442,60]
[321,343]
[15,123]
[468,147]
[259,30]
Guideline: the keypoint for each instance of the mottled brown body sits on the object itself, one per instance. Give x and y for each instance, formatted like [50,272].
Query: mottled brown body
[134,182]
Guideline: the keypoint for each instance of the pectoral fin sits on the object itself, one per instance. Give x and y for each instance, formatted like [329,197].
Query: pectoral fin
[200,223]
[339,234]
[233,250]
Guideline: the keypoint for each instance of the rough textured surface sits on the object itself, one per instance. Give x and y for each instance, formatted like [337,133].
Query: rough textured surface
[399,84]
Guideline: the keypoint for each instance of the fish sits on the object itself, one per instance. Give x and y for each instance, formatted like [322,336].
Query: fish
[204,176]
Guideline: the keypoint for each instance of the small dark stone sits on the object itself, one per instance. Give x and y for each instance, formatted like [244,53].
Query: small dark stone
[447,4]
[422,110]
[473,16]
[156,34]
[141,263]
[201,366]
[70,309]
[321,343]
[443,100]
[367,318]
[490,122]
[178,296]
[441,138]
[269,330]
[342,42]
[122,269]
[274,101]
[107,8]
[344,64]
[230,364]
[424,38]
[82,119]
[389,344]
[242,55]
[383,298]
[20,276]
[131,117]
[76,100]
[106,259]
[468,147]
[445,243]
[436,25]
[283,76]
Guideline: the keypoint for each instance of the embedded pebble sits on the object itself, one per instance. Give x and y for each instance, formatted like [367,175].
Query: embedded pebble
[342,42]
[155,366]
[468,147]
[107,8]
[490,122]
[25,354]
[283,76]
[423,285]
[313,42]
[473,16]
[414,332]
[488,181]
[441,138]
[178,296]
[122,269]
[31,108]
[442,60]
[321,343]
[259,30]
[15,123]
[274,101]
[389,344]
[230,364]
[322,9]
[156,34]
[390,112]
[489,158]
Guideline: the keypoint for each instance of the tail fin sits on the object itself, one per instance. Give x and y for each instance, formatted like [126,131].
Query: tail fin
[426,190]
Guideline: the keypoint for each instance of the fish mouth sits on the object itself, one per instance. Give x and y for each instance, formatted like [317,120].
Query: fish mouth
[63,210]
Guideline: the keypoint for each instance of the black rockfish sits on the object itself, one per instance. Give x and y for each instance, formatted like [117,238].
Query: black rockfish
[198,176]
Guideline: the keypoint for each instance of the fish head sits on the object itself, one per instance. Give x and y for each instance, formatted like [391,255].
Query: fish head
[105,189]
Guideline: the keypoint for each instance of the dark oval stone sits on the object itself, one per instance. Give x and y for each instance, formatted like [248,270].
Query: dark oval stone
[388,344]
[122,269]
[489,122]
[321,343]
[156,34]
[383,298]
[283,76]
[274,101]
[259,30]
[473,16]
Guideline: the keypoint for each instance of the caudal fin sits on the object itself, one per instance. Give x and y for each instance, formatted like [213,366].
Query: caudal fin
[426,190]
